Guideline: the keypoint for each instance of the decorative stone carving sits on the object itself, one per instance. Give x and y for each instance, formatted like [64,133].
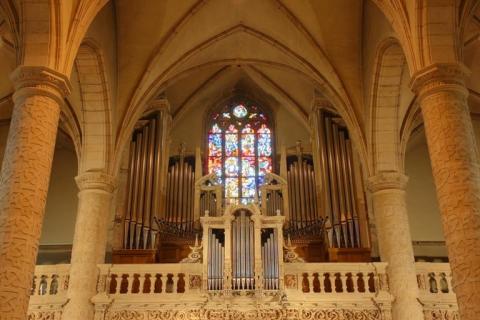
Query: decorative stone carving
[37,80]
[289,253]
[45,315]
[195,282]
[195,255]
[441,315]
[455,164]
[291,281]
[24,181]
[258,313]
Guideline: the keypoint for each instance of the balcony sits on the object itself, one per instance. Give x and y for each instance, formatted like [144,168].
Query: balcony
[308,291]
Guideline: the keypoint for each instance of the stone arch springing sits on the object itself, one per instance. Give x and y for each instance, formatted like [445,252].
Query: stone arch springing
[385,100]
[96,110]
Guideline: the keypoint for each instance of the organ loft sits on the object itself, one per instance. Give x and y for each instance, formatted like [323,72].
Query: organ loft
[240,196]
[239,159]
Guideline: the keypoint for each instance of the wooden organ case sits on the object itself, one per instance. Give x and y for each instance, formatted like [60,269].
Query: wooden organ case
[312,202]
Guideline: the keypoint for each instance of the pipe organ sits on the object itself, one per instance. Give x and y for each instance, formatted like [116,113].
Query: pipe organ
[242,251]
[216,259]
[270,259]
[313,202]
[180,193]
[303,196]
[341,205]
[143,184]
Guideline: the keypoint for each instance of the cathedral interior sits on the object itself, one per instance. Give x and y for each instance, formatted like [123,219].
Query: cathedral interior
[239,159]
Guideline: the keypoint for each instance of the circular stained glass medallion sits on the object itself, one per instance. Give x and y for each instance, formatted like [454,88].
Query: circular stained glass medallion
[240,111]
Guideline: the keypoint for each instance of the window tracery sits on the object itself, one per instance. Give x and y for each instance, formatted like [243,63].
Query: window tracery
[240,150]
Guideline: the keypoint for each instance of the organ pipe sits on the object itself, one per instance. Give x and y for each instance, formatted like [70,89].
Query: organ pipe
[270,259]
[339,184]
[302,192]
[179,206]
[143,184]
[242,252]
[216,262]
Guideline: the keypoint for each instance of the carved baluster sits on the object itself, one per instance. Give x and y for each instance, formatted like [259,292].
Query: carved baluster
[118,285]
[141,283]
[378,283]
[355,281]
[449,282]
[321,280]
[186,281]
[162,284]
[130,280]
[175,283]
[34,291]
[344,278]
[310,282]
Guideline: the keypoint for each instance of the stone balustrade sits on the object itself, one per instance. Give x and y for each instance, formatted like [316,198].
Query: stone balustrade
[149,279]
[142,289]
[332,278]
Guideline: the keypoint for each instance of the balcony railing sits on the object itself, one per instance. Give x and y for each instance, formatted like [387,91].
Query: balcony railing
[341,287]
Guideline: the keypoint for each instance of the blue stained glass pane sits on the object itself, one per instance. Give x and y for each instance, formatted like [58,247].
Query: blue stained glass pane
[231,166]
[231,187]
[248,145]
[248,167]
[215,145]
[240,111]
[264,165]
[248,187]
[260,181]
[231,145]
[264,145]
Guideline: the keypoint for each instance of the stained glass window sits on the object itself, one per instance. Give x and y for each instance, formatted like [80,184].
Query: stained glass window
[240,150]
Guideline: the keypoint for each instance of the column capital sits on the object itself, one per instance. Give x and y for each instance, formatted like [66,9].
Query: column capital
[320,103]
[386,180]
[440,76]
[39,80]
[98,180]
[159,104]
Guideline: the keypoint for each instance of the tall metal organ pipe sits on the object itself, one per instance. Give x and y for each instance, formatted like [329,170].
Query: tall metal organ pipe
[341,205]
[142,185]
[243,252]
[302,193]
[180,194]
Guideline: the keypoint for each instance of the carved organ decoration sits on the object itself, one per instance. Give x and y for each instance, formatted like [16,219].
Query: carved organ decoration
[143,184]
[244,250]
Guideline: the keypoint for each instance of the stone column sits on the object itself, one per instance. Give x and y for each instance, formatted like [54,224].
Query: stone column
[455,164]
[24,179]
[89,242]
[390,209]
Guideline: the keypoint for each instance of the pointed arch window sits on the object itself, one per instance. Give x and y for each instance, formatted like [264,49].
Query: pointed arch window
[240,150]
